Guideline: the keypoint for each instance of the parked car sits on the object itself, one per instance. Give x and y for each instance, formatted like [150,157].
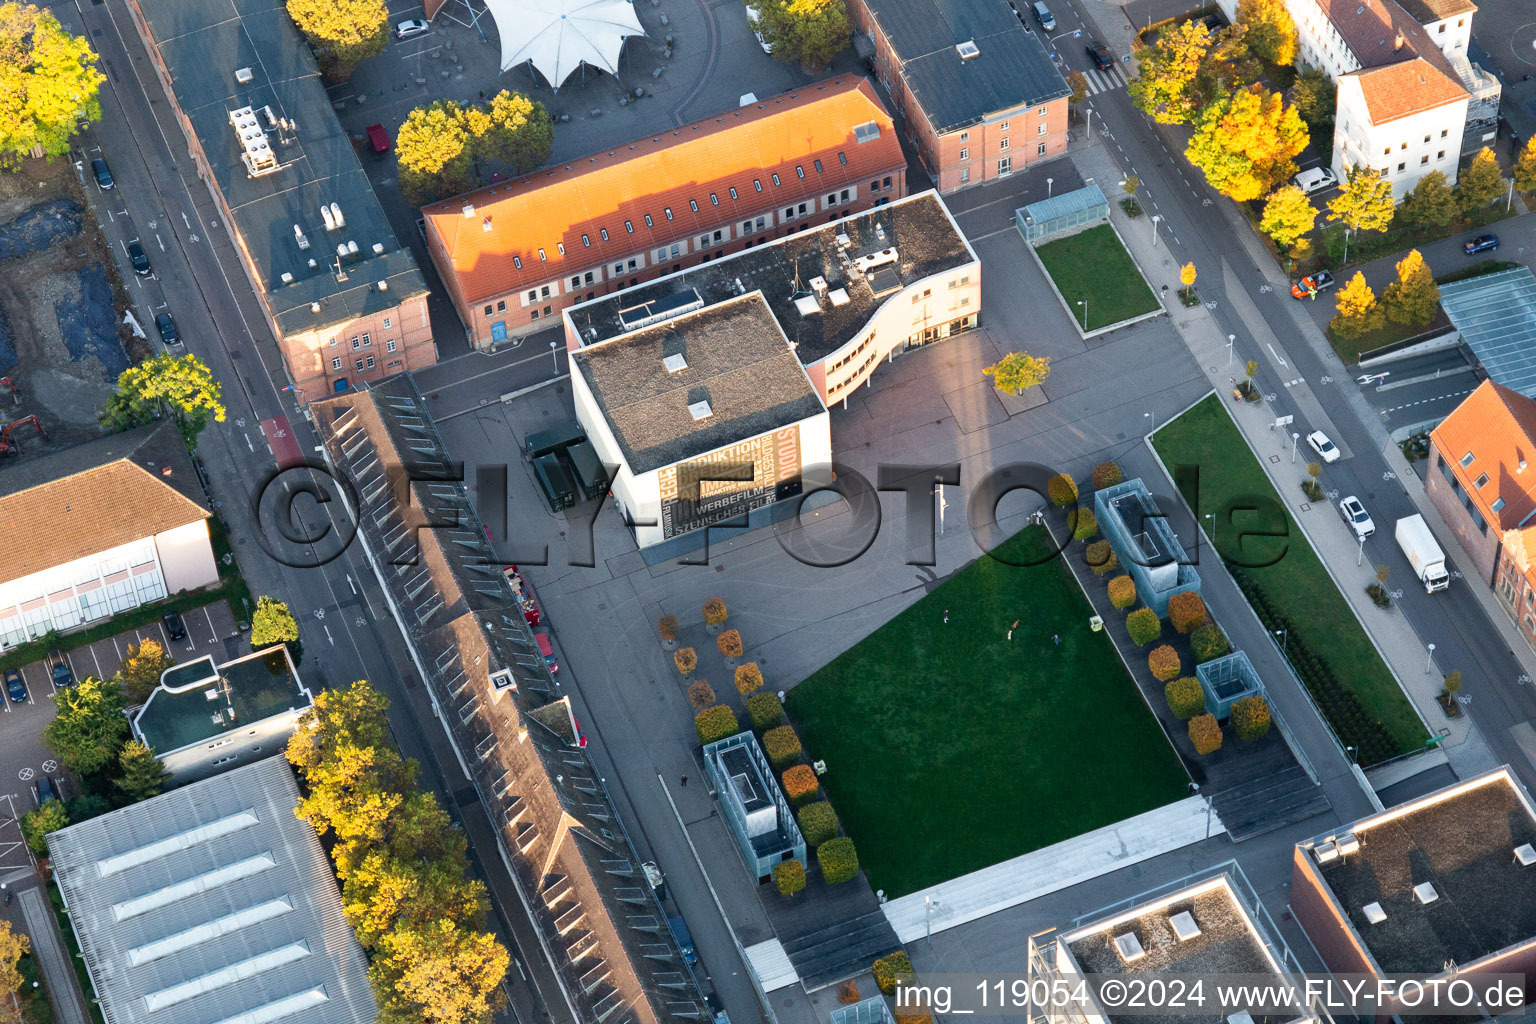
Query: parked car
[167,326]
[45,790]
[14,687]
[547,651]
[684,939]
[1314,179]
[1103,57]
[1309,286]
[174,627]
[1044,16]
[140,259]
[1356,516]
[752,22]
[103,174]
[62,676]
[1482,243]
[1319,443]
[411,28]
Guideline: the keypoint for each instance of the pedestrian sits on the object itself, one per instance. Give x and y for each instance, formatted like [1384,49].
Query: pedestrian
[946,616]
[685,780]
[1012,628]
[1056,639]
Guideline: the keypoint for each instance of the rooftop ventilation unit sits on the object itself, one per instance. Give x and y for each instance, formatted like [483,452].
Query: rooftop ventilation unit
[1425,893]
[663,308]
[287,278]
[1349,844]
[341,250]
[842,239]
[1525,854]
[244,76]
[741,289]
[212,693]
[503,679]
[271,117]
[257,156]
[341,221]
[383,286]
[875,259]
[325,215]
[880,231]
[674,362]
[866,132]
[839,296]
[807,305]
[819,285]
[351,248]
[469,210]
[1326,853]
[300,237]
[485,224]
[1373,913]
[378,248]
[314,307]
[312,262]
[968,50]
[1129,947]
[1184,926]
[1240,1017]
[700,410]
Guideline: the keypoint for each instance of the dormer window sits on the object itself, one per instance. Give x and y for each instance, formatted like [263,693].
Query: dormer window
[1466,460]
[1481,481]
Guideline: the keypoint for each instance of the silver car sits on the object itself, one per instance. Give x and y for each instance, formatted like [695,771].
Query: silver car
[1357,517]
[413,27]
[1318,441]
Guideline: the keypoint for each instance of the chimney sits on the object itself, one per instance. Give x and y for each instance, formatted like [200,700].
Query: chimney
[1397,44]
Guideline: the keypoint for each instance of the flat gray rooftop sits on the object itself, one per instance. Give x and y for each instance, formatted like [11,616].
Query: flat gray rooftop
[732,356]
[1464,846]
[242,693]
[918,228]
[212,902]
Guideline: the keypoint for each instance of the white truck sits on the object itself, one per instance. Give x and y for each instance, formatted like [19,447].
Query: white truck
[1423,553]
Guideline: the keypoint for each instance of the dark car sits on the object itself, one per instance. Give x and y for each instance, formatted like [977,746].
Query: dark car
[14,686]
[1482,243]
[167,326]
[174,627]
[62,676]
[45,790]
[103,174]
[1103,57]
[140,259]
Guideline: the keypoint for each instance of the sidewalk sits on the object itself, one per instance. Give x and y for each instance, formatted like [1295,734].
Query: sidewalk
[42,929]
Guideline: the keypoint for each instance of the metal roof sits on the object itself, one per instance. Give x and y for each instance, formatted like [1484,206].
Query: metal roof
[1496,315]
[212,903]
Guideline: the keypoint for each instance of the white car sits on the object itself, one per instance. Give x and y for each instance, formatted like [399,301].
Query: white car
[413,27]
[1314,179]
[752,23]
[1324,447]
[1357,517]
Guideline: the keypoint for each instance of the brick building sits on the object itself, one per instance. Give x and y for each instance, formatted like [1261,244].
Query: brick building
[513,255]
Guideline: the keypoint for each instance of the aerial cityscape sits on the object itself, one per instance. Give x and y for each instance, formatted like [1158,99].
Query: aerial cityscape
[767,511]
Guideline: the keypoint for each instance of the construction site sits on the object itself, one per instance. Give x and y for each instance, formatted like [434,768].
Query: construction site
[62,337]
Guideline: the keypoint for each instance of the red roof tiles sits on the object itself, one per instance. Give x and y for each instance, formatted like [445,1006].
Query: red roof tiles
[1401,90]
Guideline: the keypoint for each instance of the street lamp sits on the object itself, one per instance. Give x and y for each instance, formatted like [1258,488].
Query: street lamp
[1508,202]
[1155,218]
[930,907]
[1048,183]
[1294,438]
[1360,555]
[1231,339]
[1285,638]
[1431,660]
[1084,304]
[1212,517]
[554,353]
[1353,753]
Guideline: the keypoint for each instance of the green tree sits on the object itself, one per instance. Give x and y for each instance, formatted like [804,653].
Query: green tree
[789,877]
[141,670]
[344,33]
[1018,372]
[1314,95]
[272,623]
[808,32]
[164,385]
[1288,215]
[89,726]
[1271,34]
[1165,87]
[1247,143]
[1480,184]
[36,824]
[438,973]
[1357,312]
[519,132]
[1431,203]
[1525,167]
[1413,297]
[13,946]
[434,153]
[48,84]
[140,774]
[1364,202]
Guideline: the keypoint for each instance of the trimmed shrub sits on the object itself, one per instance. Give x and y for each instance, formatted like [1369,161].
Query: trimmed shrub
[1164,663]
[1107,474]
[782,746]
[789,876]
[800,784]
[1062,490]
[848,992]
[1186,612]
[1144,626]
[818,823]
[838,859]
[890,970]
[714,611]
[716,723]
[1100,557]
[749,678]
[1250,717]
[765,710]
[913,1013]
[1084,523]
[701,694]
[667,626]
[1208,642]
[1205,734]
[729,643]
[1122,592]
[686,659]
[1186,698]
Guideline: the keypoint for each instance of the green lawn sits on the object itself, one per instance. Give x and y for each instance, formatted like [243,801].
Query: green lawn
[950,748]
[1093,266]
[1205,452]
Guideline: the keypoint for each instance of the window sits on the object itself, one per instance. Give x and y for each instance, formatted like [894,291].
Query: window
[1002,126]
[789,211]
[534,315]
[677,250]
[762,223]
[1387,151]
[965,136]
[560,247]
[965,152]
[588,277]
[1423,160]
[799,171]
[844,195]
[542,257]
[693,204]
[757,184]
[733,192]
[544,291]
[1402,145]
[332,343]
[368,339]
[965,175]
[1400,168]
[1441,29]
[336,363]
[1005,165]
[1040,150]
[533,296]
[357,342]
[1498,505]
[618,268]
[629,228]
[1481,482]
[487,310]
[842,158]
[517,261]
[1041,129]
[746,225]
[802,209]
[546,311]
[389,346]
[886,183]
[1040,112]
[648,222]
[602,233]
[386,323]
[1002,146]
[359,366]
[370,362]
[874,186]
[1466,460]
[586,241]
[1426,140]
[1440,155]
[576,281]
[1444,132]
[775,178]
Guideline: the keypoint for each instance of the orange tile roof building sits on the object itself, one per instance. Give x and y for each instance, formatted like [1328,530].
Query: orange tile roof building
[1482,480]
[513,255]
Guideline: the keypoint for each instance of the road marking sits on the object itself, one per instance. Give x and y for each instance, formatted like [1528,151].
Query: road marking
[1272,352]
[328,635]
[248,442]
[160,240]
[213,632]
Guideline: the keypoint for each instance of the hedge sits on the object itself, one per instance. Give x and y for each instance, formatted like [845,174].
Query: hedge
[1205,734]
[1186,698]
[716,723]
[686,659]
[1122,592]
[749,678]
[789,876]
[782,746]
[1143,625]
[800,784]
[1164,662]
[1186,612]
[1250,717]
[1208,642]
[729,643]
[714,611]
[1084,523]
[818,823]
[890,970]
[701,694]
[1100,557]
[1107,474]
[838,859]
[765,710]
[1062,490]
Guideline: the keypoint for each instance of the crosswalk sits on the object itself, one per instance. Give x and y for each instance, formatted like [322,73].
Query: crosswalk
[1104,81]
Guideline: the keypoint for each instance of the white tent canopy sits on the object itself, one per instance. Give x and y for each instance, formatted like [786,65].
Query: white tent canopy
[558,36]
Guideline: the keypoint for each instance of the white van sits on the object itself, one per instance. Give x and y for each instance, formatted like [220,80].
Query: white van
[1314,179]
[1044,17]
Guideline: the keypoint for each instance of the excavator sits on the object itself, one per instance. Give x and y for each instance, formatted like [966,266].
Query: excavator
[6,444]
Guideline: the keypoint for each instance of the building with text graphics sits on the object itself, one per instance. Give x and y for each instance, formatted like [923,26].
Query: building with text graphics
[710,389]
[514,255]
